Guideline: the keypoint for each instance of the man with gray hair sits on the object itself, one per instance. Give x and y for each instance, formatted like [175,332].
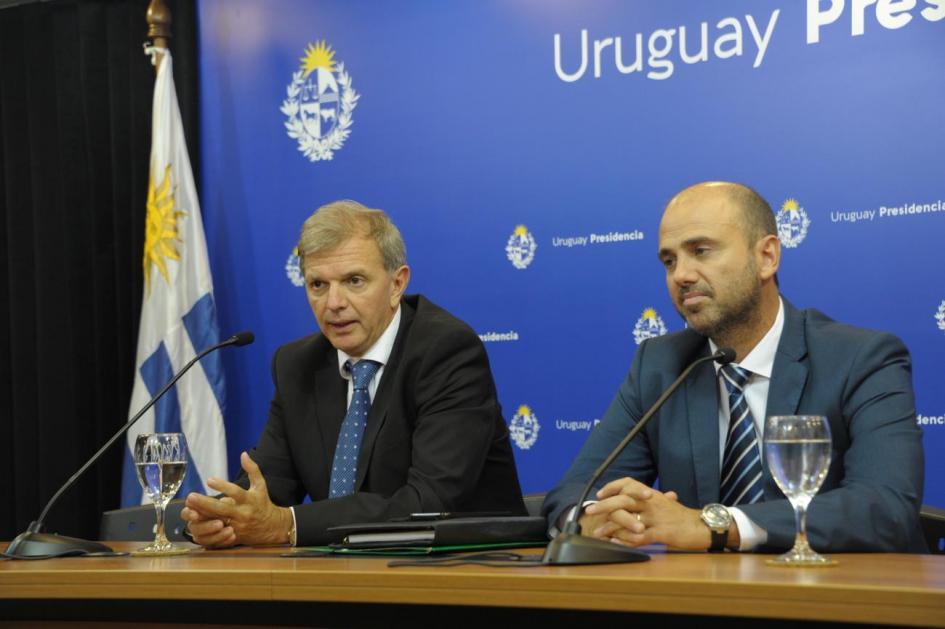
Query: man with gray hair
[390,410]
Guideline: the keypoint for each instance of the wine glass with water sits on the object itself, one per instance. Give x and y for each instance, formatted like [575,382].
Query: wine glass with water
[161,461]
[797,449]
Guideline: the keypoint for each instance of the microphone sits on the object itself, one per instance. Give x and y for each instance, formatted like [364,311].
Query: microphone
[34,544]
[245,338]
[571,548]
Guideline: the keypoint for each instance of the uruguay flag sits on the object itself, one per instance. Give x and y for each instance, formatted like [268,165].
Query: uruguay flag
[178,317]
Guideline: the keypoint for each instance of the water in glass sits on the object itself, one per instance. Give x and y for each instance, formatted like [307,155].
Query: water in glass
[161,480]
[798,466]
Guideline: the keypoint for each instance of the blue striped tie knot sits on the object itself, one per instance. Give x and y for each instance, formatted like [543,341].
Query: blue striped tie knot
[742,479]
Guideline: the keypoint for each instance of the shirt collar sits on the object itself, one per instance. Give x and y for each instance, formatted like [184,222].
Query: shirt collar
[379,352]
[760,360]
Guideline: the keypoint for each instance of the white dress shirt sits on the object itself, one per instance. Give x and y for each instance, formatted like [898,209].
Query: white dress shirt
[379,352]
[760,362]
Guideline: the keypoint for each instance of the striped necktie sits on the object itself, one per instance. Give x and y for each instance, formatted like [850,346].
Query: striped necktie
[741,462]
[344,468]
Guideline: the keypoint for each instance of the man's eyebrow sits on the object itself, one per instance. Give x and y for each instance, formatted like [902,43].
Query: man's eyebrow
[315,276]
[687,244]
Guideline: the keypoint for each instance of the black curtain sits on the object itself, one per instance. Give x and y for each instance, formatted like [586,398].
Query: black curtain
[75,133]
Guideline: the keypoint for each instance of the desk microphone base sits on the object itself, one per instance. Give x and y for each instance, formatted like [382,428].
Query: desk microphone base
[571,549]
[29,545]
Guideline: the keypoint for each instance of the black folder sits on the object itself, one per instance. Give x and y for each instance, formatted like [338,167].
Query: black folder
[446,532]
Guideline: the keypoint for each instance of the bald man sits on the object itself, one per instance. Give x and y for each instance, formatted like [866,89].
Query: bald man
[719,247]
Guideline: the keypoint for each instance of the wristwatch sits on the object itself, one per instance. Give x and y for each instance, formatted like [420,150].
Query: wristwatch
[718,518]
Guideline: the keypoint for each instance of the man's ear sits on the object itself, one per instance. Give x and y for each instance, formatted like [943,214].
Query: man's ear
[768,256]
[401,278]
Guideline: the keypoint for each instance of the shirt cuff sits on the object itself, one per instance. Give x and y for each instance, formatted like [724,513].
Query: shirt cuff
[751,535]
[294,526]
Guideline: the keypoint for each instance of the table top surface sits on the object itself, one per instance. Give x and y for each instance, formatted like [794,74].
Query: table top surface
[869,588]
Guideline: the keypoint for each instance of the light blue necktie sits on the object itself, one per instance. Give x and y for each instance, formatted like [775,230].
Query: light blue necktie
[741,462]
[344,468]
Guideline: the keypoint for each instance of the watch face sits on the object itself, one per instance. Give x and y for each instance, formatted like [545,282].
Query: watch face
[716,516]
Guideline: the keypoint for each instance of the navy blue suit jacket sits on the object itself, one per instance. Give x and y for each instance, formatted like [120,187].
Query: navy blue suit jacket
[860,379]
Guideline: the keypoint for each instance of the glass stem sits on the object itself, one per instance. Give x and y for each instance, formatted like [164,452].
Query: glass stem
[159,536]
[800,519]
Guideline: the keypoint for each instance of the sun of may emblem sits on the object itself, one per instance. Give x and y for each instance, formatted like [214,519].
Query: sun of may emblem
[792,224]
[648,326]
[160,234]
[319,104]
[520,249]
[524,428]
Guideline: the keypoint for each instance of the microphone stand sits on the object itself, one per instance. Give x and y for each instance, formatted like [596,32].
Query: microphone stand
[34,544]
[570,548]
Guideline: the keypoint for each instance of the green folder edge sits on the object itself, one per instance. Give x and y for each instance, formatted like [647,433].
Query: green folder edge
[403,551]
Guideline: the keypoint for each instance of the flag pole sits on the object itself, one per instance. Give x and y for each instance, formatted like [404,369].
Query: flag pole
[178,314]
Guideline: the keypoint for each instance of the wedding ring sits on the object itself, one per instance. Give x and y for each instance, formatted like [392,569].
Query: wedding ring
[639,518]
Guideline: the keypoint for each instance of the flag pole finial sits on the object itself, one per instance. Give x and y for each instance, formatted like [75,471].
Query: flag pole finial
[159,24]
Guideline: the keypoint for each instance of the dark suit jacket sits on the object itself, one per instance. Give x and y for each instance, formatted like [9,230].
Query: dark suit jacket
[861,380]
[435,438]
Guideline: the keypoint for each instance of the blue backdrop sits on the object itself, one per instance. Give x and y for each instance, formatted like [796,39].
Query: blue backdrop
[526,149]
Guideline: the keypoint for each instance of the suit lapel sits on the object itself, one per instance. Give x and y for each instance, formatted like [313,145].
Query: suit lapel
[330,405]
[382,397]
[788,378]
[702,406]
[789,374]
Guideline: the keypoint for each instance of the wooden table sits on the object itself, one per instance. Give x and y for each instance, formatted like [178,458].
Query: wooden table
[875,588]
